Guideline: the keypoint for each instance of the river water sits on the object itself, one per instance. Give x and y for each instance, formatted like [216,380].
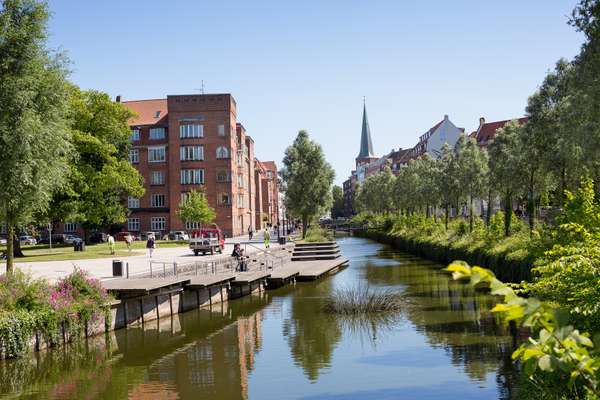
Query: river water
[280,345]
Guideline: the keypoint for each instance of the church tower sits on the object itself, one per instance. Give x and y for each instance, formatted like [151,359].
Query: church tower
[366,154]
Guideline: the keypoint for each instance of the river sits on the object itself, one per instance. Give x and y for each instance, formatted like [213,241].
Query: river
[280,345]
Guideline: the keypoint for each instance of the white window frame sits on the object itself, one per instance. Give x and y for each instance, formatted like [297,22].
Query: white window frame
[134,156]
[221,130]
[191,176]
[222,153]
[191,131]
[240,200]
[133,224]
[133,202]
[156,150]
[156,182]
[192,225]
[154,200]
[240,181]
[70,227]
[158,224]
[191,153]
[158,133]
[135,135]
[223,203]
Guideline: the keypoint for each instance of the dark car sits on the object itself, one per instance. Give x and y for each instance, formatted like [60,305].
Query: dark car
[98,237]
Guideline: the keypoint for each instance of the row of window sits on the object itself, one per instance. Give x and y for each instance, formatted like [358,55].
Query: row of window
[185,131]
[156,224]
[186,153]
[191,178]
[158,200]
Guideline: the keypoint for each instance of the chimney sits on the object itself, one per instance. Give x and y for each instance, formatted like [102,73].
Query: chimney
[446,117]
[118,99]
[481,121]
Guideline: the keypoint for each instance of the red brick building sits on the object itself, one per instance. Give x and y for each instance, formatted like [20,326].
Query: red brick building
[267,193]
[192,142]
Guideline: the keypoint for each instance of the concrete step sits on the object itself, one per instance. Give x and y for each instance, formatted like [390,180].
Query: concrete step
[316,252]
[316,257]
[315,244]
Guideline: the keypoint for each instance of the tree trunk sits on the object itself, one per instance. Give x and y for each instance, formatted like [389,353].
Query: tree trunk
[17,251]
[470,213]
[531,205]
[507,213]
[488,215]
[446,217]
[563,186]
[435,219]
[10,257]
[304,226]
[428,214]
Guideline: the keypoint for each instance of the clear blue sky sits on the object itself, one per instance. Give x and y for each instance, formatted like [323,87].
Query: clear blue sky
[295,65]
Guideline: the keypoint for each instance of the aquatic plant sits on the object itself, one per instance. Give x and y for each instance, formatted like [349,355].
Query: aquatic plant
[363,300]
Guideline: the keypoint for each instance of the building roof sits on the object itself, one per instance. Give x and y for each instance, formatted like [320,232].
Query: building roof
[149,112]
[487,130]
[366,144]
[269,165]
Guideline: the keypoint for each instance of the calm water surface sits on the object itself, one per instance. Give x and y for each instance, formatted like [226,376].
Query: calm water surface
[445,345]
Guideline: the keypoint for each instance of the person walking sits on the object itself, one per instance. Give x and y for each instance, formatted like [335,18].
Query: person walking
[111,244]
[250,232]
[129,241]
[150,245]
[267,238]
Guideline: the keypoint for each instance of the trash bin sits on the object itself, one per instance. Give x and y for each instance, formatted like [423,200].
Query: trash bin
[117,268]
[81,245]
[281,240]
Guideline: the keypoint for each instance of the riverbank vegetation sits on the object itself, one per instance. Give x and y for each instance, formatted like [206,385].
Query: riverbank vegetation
[316,234]
[362,300]
[32,310]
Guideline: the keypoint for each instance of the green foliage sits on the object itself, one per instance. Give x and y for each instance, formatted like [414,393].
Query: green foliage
[315,233]
[362,300]
[561,361]
[306,179]
[337,207]
[195,208]
[375,194]
[19,291]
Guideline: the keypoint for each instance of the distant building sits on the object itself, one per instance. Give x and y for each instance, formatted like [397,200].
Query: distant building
[486,132]
[431,142]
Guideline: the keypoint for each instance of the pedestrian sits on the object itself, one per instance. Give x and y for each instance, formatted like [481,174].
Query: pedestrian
[111,244]
[129,241]
[250,232]
[267,238]
[150,245]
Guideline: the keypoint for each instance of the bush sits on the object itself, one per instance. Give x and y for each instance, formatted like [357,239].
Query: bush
[317,234]
[362,300]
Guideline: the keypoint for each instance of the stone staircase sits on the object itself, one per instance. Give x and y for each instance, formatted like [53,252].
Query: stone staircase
[316,251]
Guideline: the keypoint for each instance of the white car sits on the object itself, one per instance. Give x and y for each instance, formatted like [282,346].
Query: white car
[69,239]
[3,241]
[27,240]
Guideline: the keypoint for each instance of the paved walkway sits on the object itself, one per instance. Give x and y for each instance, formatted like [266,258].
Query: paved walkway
[139,262]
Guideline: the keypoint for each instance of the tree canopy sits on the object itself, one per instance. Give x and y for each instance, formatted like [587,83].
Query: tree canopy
[195,209]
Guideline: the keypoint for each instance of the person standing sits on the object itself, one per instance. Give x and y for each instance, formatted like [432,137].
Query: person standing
[267,238]
[111,244]
[250,232]
[129,241]
[150,245]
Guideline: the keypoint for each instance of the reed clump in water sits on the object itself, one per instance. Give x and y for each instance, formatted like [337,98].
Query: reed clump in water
[363,300]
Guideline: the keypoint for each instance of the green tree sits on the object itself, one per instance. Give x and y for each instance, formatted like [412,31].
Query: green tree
[100,177]
[195,209]
[376,192]
[337,208]
[448,183]
[505,164]
[472,170]
[306,179]
[34,136]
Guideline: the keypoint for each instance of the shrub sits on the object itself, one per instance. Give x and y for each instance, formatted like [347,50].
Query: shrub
[362,300]
[317,234]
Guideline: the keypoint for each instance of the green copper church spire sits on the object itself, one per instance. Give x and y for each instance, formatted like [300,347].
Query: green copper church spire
[366,145]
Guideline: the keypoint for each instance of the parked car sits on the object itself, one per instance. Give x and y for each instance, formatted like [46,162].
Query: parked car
[27,240]
[146,235]
[207,240]
[178,235]
[2,242]
[56,239]
[98,237]
[121,236]
[70,239]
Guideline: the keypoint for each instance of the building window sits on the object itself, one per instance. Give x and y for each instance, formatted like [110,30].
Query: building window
[157,178]
[240,159]
[191,153]
[158,224]
[240,180]
[191,131]
[135,135]
[225,199]
[157,200]
[240,201]
[192,225]
[223,175]
[70,227]
[134,156]
[157,154]
[133,224]
[222,152]
[192,176]
[133,202]
[157,133]
[221,130]
[269,175]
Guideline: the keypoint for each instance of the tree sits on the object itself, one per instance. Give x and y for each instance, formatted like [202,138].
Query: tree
[337,208]
[100,177]
[307,179]
[34,136]
[195,209]
[505,164]
[448,183]
[472,168]
[376,192]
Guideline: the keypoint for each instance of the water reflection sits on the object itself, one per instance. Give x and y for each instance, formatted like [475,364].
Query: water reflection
[445,344]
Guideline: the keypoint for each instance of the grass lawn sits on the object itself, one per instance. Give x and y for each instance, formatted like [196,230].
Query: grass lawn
[42,252]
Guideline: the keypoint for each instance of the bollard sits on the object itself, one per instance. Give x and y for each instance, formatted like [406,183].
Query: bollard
[127,269]
[150,269]
[174,269]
